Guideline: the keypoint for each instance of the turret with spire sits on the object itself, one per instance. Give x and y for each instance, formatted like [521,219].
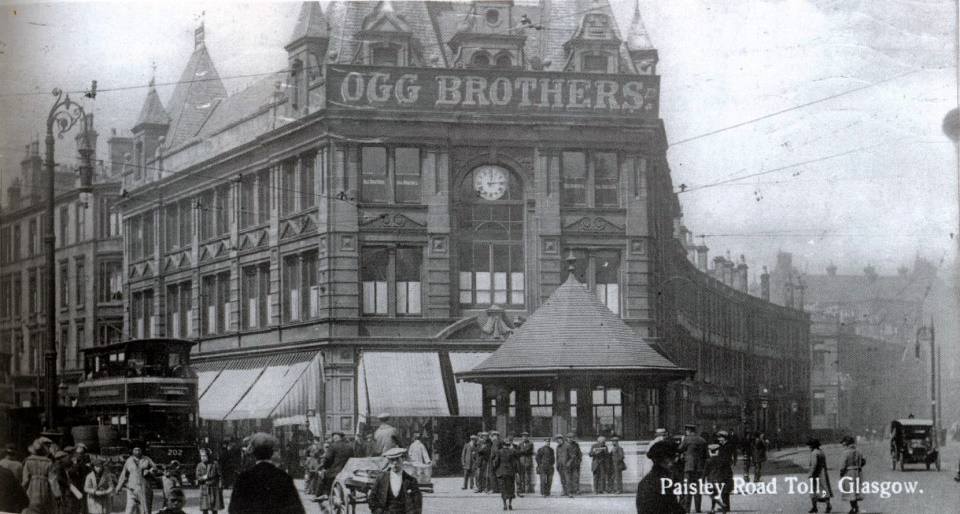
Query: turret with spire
[642,53]
[152,123]
[305,55]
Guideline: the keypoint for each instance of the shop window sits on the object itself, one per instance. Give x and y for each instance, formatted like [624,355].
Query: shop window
[216,303]
[590,179]
[301,291]
[256,294]
[381,267]
[607,411]
[390,175]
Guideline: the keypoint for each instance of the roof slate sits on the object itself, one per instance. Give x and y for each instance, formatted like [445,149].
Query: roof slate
[194,98]
[574,331]
[152,112]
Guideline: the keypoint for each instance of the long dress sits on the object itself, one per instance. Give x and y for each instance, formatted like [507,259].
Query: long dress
[37,481]
[852,467]
[211,496]
[821,490]
[99,491]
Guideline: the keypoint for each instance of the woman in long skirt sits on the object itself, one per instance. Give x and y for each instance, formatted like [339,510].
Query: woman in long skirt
[852,467]
[821,490]
[505,464]
[208,476]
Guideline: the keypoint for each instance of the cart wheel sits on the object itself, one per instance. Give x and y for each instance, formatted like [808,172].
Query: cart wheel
[339,504]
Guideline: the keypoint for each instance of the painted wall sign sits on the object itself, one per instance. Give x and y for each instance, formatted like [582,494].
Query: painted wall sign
[492,91]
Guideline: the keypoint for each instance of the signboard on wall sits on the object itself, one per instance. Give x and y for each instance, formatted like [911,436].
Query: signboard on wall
[491,91]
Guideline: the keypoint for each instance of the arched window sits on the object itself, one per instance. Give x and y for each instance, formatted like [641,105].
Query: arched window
[490,221]
[480,60]
[504,61]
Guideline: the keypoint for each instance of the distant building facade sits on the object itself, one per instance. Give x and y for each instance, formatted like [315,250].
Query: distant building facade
[348,236]
[88,274]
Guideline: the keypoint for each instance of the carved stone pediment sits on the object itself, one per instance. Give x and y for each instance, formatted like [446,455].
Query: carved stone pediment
[591,224]
[392,219]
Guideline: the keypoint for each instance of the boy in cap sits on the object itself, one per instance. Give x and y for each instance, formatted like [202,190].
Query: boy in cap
[175,502]
[395,490]
[170,481]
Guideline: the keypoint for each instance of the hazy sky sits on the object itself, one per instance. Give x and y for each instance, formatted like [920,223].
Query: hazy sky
[870,178]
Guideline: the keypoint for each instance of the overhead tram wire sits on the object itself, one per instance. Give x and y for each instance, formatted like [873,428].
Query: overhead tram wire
[100,90]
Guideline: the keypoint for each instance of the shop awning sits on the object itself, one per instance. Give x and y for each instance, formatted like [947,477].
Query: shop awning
[230,386]
[206,372]
[277,379]
[303,397]
[469,395]
[402,384]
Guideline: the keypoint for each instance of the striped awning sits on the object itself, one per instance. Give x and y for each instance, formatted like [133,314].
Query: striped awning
[276,380]
[402,384]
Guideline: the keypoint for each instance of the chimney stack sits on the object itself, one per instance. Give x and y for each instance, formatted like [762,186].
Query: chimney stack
[742,284]
[765,285]
[702,260]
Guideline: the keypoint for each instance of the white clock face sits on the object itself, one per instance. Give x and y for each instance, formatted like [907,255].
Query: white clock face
[490,182]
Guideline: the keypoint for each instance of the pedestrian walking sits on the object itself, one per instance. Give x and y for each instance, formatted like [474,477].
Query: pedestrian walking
[210,480]
[617,466]
[505,463]
[12,496]
[693,448]
[264,487]
[99,486]
[714,476]
[727,456]
[758,454]
[36,480]
[468,460]
[852,467]
[546,459]
[12,463]
[135,478]
[386,437]
[598,465]
[396,491]
[525,451]
[334,460]
[652,498]
[483,458]
[746,449]
[821,491]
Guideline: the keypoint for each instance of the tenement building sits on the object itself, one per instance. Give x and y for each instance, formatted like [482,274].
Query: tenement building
[88,274]
[359,232]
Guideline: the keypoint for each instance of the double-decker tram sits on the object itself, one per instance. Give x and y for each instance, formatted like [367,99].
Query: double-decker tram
[143,391]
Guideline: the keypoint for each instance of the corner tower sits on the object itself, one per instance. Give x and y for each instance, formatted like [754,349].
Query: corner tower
[305,55]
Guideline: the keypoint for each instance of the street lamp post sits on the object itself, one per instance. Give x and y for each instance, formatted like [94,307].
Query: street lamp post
[64,114]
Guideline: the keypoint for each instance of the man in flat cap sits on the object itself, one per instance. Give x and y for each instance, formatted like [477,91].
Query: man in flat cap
[468,460]
[617,466]
[135,478]
[495,443]
[395,492]
[693,448]
[417,452]
[264,487]
[569,463]
[546,459]
[652,498]
[386,436]
[525,473]
[598,465]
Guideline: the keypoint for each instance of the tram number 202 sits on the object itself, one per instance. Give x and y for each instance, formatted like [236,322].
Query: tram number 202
[175,452]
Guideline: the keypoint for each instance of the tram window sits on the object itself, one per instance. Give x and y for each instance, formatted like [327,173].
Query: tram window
[175,360]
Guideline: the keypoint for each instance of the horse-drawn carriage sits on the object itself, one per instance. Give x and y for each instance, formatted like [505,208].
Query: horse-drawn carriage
[913,441]
[354,483]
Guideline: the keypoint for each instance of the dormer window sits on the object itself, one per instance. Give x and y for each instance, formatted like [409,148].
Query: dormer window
[385,55]
[596,63]
[480,60]
[504,61]
[493,17]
